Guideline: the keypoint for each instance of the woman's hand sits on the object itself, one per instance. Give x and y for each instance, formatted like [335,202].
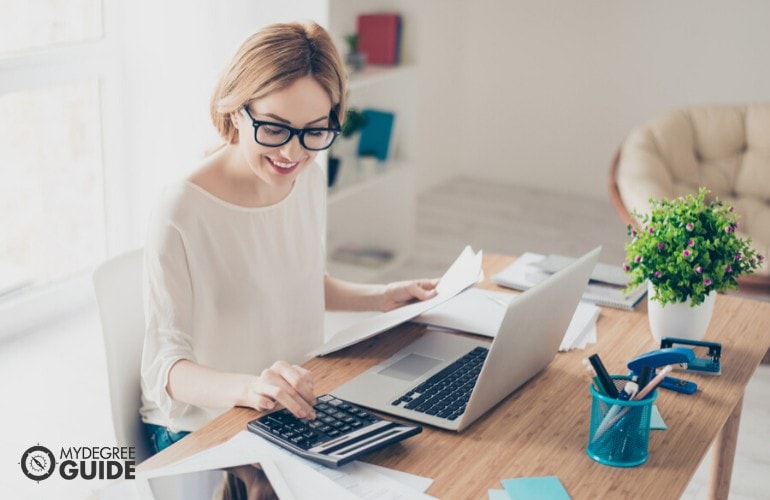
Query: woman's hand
[288,385]
[403,292]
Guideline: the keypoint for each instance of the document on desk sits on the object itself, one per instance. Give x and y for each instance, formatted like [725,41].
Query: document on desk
[466,271]
[201,479]
[258,475]
[481,312]
[604,288]
[310,480]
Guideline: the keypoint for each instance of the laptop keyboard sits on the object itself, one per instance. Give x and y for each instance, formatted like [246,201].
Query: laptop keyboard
[446,394]
[340,433]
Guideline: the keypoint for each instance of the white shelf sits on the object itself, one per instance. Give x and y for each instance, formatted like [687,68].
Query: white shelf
[376,213]
[373,206]
[373,74]
[350,184]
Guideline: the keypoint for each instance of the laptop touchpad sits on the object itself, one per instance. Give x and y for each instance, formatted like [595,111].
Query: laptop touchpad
[410,367]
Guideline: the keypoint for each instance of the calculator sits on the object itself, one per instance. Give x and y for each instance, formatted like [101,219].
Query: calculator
[340,433]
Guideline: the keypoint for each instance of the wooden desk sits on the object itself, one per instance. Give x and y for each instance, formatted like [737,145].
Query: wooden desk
[542,428]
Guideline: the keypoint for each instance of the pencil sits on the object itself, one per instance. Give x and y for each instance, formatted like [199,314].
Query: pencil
[653,383]
[607,423]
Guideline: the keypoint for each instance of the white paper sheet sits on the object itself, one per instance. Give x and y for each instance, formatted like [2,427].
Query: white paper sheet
[336,321]
[474,311]
[524,274]
[481,312]
[190,481]
[310,480]
[463,273]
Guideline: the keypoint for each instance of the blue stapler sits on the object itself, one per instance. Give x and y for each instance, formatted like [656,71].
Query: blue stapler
[662,357]
[708,365]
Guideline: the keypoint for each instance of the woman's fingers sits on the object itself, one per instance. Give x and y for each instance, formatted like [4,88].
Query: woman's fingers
[289,385]
[423,289]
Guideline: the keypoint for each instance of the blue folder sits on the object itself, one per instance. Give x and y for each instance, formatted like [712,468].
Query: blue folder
[376,134]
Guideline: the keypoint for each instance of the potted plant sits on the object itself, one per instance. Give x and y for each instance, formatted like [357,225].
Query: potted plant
[353,122]
[355,59]
[687,250]
[344,147]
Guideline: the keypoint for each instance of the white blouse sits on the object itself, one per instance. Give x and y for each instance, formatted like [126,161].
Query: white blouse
[231,288]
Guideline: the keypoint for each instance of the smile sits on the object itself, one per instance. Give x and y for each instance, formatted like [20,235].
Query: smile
[283,167]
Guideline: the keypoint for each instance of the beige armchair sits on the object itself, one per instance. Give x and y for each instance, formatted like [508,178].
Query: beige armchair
[723,147]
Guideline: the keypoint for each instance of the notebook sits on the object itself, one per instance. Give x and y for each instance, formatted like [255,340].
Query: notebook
[526,342]
[605,287]
[379,37]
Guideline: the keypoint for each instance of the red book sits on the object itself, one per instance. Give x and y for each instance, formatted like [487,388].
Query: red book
[379,37]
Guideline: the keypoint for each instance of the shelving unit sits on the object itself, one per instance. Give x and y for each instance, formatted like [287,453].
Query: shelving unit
[373,207]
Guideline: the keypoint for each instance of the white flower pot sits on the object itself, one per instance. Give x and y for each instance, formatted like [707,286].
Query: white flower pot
[679,320]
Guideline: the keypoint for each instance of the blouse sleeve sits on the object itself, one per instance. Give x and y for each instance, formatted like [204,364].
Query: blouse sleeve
[168,314]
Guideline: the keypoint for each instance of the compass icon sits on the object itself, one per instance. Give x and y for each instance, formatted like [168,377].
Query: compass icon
[38,463]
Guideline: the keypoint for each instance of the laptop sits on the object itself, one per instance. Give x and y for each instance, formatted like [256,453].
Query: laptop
[473,374]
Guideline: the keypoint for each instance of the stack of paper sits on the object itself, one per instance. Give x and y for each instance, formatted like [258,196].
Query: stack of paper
[481,312]
[605,288]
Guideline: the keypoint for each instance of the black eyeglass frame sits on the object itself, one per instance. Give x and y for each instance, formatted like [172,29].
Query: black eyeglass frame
[299,132]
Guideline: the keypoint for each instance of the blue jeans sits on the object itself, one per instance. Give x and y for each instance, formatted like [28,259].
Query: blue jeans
[161,438]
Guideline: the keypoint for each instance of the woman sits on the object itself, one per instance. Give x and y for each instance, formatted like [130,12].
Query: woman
[235,261]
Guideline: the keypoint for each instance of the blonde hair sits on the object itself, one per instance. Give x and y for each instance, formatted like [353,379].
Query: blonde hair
[272,59]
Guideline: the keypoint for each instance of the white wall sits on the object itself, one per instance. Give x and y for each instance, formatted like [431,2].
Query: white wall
[168,76]
[553,87]
[537,93]
[431,38]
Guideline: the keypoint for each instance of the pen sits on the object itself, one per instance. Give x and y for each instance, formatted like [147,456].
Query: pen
[654,382]
[635,421]
[644,376]
[628,392]
[604,378]
[639,395]
[592,375]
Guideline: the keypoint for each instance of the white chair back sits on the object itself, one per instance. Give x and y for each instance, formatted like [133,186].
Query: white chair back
[118,286]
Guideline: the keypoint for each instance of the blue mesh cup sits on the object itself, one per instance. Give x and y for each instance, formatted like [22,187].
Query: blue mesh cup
[619,434]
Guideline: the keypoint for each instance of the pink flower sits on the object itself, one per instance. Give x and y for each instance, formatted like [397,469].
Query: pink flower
[729,268]
[729,229]
[658,274]
[651,230]
[686,253]
[698,269]
[626,267]
[761,257]
[638,259]
[738,256]
[691,243]
[661,246]
[633,233]
[707,282]
[689,226]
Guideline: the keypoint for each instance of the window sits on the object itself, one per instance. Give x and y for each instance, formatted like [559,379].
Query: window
[40,24]
[86,146]
[55,64]
[51,189]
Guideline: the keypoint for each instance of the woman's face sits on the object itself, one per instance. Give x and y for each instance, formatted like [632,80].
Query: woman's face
[303,104]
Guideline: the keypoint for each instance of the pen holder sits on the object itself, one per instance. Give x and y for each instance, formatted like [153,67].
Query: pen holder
[620,430]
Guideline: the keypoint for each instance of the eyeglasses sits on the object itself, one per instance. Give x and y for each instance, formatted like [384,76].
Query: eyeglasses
[272,134]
